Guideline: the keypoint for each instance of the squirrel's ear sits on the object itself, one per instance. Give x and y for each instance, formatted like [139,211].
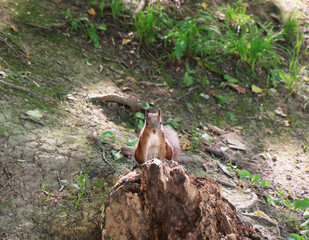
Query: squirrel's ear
[159,112]
[146,114]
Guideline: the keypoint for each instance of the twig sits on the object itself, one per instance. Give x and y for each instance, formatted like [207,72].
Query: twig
[188,92]
[22,89]
[98,142]
[133,104]
[60,184]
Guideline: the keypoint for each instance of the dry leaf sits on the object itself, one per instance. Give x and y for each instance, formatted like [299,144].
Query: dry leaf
[259,213]
[185,143]
[211,92]
[237,88]
[14,28]
[177,69]
[91,11]
[281,112]
[204,5]
[256,89]
[125,41]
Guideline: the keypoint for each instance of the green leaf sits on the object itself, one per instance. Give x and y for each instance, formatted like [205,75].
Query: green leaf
[272,200]
[64,182]
[244,174]
[107,134]
[304,225]
[230,79]
[306,214]
[102,27]
[88,63]
[221,99]
[230,115]
[205,80]
[180,48]
[139,115]
[131,143]
[93,3]
[76,186]
[117,155]
[264,183]
[188,80]
[302,204]
[83,19]
[255,178]
[145,105]
[294,236]
[140,124]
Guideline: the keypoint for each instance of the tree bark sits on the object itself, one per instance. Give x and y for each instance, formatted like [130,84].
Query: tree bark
[167,203]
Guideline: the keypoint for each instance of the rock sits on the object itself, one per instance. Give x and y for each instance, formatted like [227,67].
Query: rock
[167,203]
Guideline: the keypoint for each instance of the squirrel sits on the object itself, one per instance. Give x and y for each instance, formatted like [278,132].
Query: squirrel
[156,141]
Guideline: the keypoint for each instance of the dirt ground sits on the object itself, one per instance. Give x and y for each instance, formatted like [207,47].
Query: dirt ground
[42,158]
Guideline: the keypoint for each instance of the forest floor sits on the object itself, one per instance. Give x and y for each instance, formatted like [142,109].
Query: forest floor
[53,181]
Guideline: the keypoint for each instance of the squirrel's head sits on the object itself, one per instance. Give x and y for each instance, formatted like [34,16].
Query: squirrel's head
[153,121]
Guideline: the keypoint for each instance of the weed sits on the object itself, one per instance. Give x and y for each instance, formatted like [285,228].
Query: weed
[254,47]
[102,4]
[237,16]
[81,185]
[144,24]
[186,37]
[117,7]
[83,24]
[188,79]
[291,29]
[247,174]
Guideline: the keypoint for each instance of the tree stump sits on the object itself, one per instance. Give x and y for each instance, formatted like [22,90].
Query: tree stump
[167,203]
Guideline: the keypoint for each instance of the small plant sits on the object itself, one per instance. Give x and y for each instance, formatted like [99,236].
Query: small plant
[81,185]
[140,116]
[237,15]
[83,24]
[145,24]
[254,47]
[117,7]
[188,79]
[291,79]
[291,29]
[247,174]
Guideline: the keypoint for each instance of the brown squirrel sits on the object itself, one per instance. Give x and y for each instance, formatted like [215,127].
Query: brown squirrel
[156,141]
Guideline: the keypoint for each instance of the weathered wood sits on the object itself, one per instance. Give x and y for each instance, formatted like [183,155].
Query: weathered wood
[167,203]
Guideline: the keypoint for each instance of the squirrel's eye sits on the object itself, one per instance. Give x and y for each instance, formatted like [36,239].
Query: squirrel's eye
[147,123]
[160,123]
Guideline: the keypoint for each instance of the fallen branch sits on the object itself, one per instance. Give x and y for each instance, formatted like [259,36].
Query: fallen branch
[22,89]
[188,92]
[133,104]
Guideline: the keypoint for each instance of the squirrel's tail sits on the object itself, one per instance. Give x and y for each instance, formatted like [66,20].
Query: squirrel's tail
[172,138]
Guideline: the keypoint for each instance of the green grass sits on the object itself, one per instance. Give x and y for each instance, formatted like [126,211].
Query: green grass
[255,46]
[144,24]
[291,29]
